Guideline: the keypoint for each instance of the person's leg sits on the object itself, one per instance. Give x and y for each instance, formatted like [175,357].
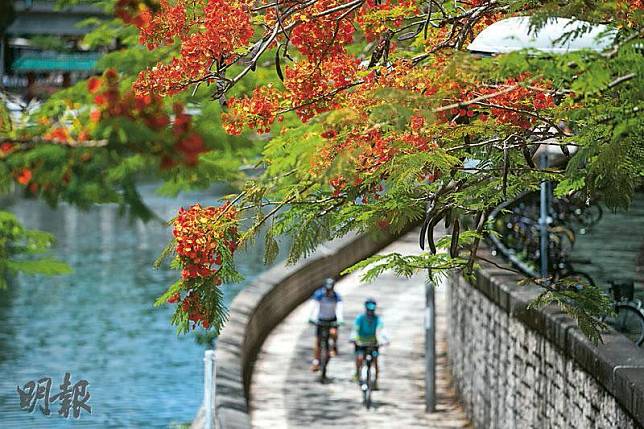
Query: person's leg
[333,335]
[316,348]
[358,355]
[359,361]
[316,351]
[375,367]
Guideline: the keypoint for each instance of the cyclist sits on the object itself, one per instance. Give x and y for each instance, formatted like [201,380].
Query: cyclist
[326,308]
[367,333]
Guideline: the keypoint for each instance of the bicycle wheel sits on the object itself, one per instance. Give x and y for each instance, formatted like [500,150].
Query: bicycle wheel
[629,321]
[367,389]
[568,273]
[590,215]
[364,384]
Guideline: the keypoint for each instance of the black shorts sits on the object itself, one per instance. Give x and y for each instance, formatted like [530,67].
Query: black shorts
[323,324]
[360,350]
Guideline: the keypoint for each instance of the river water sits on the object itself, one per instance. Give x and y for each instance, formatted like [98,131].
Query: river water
[99,323]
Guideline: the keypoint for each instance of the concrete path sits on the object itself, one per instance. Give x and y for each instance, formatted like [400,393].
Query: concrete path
[285,394]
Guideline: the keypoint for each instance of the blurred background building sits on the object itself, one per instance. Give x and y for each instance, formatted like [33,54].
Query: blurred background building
[41,47]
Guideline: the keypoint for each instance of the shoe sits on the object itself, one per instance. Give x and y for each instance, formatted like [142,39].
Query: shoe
[375,386]
[315,366]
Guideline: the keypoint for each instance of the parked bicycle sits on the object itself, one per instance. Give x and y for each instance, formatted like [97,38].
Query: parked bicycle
[517,223]
[367,375]
[629,315]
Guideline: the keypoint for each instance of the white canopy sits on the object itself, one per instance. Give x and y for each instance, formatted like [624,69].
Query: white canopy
[513,34]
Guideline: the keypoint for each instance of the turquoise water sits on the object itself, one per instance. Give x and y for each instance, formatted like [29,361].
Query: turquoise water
[99,323]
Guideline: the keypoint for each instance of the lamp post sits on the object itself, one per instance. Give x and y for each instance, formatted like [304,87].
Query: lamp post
[544,202]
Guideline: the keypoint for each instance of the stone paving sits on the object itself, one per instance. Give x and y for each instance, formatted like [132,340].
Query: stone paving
[286,394]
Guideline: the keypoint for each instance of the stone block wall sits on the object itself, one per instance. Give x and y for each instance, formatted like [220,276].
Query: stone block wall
[260,307]
[515,368]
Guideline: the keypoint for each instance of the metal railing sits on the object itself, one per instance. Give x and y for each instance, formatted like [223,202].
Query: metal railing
[209,390]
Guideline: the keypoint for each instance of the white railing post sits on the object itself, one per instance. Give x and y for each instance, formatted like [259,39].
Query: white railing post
[210,374]
[430,346]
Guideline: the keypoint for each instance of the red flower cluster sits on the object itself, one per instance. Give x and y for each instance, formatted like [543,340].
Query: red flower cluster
[256,112]
[310,83]
[225,26]
[161,28]
[189,143]
[377,16]
[111,103]
[309,88]
[516,107]
[192,304]
[58,135]
[6,149]
[148,109]
[365,149]
[130,11]
[24,177]
[417,142]
[329,134]
[318,38]
[338,183]
[202,234]
[416,122]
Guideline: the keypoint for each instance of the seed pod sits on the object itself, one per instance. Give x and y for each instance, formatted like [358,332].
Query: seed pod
[528,157]
[564,149]
[430,235]
[278,66]
[453,248]
[429,208]
[421,236]
[448,218]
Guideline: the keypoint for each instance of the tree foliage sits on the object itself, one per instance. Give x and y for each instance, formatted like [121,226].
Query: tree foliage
[17,244]
[91,143]
[381,118]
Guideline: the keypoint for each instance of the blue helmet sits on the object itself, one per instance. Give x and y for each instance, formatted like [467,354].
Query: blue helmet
[329,283]
[370,304]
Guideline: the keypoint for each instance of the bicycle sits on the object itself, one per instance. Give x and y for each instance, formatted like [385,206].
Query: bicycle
[629,315]
[367,377]
[520,236]
[325,351]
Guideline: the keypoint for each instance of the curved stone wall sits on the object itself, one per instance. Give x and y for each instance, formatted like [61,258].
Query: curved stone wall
[518,368]
[263,305]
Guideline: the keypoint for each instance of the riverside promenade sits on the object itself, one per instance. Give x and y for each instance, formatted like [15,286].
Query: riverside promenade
[285,394]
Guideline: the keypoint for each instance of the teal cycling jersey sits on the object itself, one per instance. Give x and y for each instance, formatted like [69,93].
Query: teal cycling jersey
[366,328]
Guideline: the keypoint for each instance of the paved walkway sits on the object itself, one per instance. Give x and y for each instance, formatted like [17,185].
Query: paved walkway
[285,394]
